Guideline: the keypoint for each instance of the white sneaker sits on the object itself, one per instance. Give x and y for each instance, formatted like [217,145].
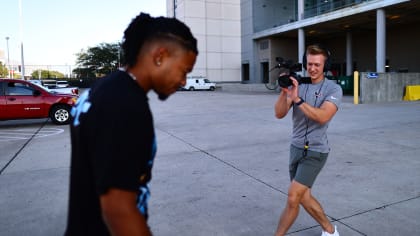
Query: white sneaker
[324,233]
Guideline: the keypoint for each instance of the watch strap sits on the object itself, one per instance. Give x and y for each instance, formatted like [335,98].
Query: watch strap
[300,102]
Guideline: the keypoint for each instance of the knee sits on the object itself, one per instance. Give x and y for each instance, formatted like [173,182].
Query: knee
[295,194]
[293,200]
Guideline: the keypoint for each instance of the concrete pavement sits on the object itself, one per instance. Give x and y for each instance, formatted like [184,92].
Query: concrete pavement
[221,168]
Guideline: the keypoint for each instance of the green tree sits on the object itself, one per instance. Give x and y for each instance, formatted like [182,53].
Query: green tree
[4,72]
[47,74]
[97,61]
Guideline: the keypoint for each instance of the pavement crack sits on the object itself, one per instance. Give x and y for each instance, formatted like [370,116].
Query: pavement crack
[380,207]
[340,220]
[333,219]
[225,162]
[256,179]
[20,149]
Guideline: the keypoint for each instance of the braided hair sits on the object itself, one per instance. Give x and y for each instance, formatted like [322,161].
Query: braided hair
[145,28]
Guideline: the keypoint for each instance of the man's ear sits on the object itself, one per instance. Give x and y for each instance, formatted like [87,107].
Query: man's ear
[159,55]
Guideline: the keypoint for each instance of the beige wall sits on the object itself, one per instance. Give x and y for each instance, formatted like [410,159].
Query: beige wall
[216,25]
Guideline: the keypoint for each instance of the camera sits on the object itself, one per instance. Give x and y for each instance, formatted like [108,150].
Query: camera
[287,69]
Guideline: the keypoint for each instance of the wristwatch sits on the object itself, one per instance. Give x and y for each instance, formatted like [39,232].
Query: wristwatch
[300,102]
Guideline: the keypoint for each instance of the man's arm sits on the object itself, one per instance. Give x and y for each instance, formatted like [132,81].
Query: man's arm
[121,214]
[320,115]
[283,104]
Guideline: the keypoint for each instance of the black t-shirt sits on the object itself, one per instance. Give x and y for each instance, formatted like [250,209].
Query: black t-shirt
[113,146]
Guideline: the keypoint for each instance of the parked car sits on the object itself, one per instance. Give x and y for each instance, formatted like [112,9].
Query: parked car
[199,83]
[62,84]
[59,86]
[20,99]
[49,83]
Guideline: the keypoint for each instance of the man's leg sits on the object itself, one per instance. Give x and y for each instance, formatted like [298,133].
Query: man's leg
[291,211]
[314,208]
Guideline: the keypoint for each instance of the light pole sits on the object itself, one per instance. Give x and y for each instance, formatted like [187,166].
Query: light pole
[8,59]
[21,39]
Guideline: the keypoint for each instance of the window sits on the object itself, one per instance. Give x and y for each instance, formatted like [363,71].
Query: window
[264,72]
[245,72]
[264,45]
[20,89]
[1,89]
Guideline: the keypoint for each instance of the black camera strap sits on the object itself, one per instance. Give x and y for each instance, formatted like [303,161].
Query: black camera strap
[317,94]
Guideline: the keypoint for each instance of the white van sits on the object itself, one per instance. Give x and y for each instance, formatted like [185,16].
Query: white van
[199,83]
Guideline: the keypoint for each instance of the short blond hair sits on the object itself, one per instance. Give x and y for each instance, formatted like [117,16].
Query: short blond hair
[316,50]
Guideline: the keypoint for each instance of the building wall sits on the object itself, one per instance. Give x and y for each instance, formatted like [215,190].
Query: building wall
[217,27]
[402,49]
[271,49]
[399,49]
[400,42]
[387,87]
[247,43]
[272,13]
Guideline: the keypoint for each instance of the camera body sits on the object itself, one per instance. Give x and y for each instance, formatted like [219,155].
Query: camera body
[287,69]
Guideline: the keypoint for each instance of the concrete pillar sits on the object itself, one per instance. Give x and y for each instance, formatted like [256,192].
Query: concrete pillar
[380,40]
[301,44]
[301,47]
[301,9]
[301,32]
[255,63]
[349,55]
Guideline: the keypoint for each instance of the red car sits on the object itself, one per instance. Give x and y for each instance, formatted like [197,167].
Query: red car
[20,99]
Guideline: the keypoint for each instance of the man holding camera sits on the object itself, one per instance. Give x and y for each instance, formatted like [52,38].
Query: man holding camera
[314,105]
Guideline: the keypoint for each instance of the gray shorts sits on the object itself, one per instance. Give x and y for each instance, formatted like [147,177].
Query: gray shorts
[305,169]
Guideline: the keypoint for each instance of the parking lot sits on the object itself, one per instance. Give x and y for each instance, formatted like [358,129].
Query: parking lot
[221,169]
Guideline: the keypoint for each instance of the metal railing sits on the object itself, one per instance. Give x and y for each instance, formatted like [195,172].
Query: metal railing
[328,6]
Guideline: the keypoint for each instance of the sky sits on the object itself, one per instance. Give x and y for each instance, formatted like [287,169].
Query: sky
[53,31]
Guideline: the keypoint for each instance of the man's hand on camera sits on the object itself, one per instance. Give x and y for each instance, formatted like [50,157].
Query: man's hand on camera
[293,91]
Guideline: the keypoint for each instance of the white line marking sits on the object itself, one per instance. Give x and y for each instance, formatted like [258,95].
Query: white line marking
[22,134]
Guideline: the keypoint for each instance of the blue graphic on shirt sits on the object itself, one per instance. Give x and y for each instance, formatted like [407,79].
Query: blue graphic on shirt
[82,106]
[142,199]
[144,192]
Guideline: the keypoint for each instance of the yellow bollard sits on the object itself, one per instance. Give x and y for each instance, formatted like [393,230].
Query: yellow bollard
[356,88]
